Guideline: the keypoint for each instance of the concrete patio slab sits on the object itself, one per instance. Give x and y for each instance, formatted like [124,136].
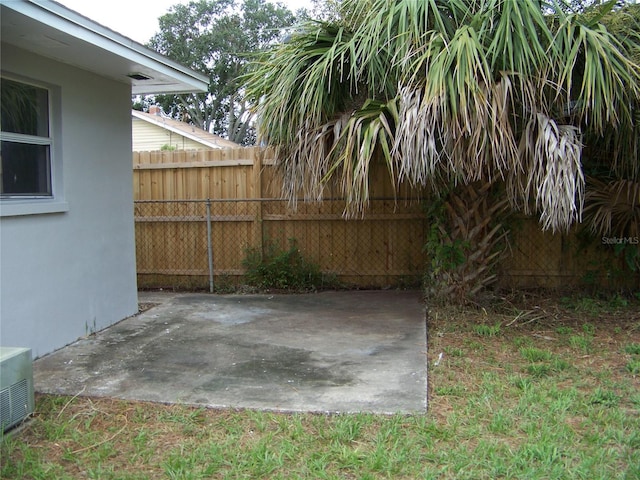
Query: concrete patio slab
[355,351]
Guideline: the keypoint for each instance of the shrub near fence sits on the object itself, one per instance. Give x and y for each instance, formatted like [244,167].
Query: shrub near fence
[173,223]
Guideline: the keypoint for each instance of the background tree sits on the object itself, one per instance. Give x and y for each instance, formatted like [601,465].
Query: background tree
[326,10]
[216,37]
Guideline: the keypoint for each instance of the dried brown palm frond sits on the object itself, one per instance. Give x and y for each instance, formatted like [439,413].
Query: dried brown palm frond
[613,208]
[478,142]
[552,176]
[309,160]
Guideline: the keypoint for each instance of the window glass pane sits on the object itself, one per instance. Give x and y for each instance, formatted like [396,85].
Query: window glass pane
[25,169]
[25,108]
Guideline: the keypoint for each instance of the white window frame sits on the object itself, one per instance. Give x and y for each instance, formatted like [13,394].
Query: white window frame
[13,205]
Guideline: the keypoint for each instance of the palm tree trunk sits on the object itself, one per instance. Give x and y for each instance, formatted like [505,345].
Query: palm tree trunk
[468,238]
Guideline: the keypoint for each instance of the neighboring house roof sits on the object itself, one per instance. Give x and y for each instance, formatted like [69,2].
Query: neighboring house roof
[206,139]
[52,30]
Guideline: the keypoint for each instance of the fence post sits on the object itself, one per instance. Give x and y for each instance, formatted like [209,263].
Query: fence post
[209,246]
[257,195]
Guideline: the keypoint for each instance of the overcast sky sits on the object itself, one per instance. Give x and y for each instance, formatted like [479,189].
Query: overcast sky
[138,19]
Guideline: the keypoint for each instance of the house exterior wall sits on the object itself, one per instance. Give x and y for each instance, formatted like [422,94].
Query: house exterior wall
[148,137]
[66,274]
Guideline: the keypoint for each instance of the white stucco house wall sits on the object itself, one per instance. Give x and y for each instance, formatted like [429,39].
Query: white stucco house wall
[67,252]
[154,131]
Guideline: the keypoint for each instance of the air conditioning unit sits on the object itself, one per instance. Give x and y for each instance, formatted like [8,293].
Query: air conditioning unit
[16,386]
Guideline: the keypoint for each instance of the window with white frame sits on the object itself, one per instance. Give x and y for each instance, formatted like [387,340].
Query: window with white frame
[26,143]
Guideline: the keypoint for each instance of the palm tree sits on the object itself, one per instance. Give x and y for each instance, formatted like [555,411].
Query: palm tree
[450,91]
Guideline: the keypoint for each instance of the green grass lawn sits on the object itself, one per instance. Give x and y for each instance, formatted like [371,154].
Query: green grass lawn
[549,390]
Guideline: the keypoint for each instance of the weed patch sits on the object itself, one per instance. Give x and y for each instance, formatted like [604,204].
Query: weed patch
[604,397]
[633,366]
[533,354]
[484,330]
[582,343]
[632,349]
[275,268]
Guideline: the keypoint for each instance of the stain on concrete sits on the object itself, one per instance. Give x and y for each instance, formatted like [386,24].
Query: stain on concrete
[331,351]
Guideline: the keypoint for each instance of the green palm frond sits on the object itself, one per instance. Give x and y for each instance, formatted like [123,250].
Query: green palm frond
[595,73]
[518,37]
[310,78]
[367,132]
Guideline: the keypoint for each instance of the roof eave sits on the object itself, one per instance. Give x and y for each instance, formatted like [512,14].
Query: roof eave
[88,37]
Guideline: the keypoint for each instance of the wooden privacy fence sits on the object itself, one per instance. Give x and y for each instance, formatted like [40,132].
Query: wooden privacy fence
[196,209]
[182,238]
[206,241]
